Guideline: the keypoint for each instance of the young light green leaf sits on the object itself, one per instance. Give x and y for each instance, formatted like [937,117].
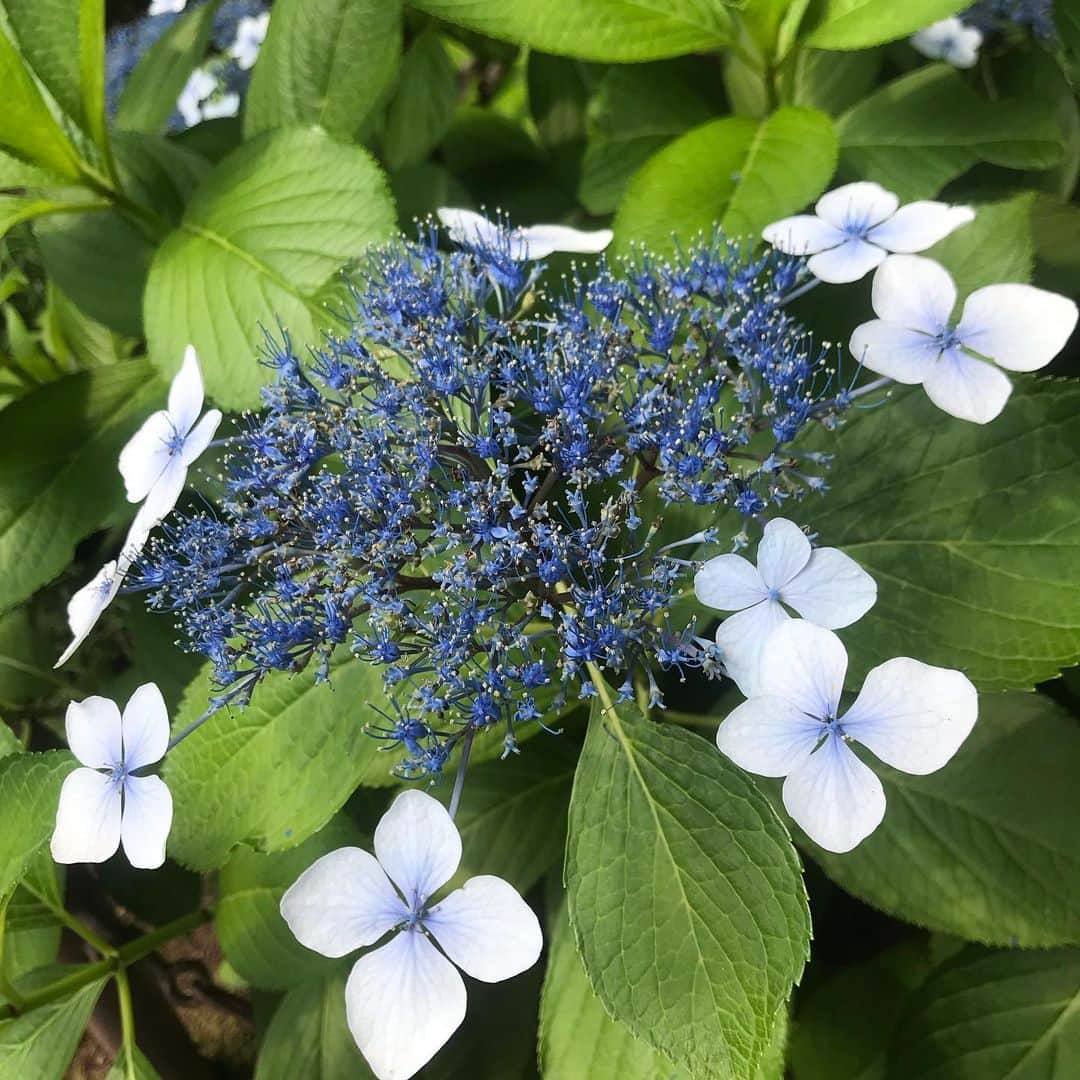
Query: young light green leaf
[605,30]
[141,1068]
[730,172]
[856,24]
[685,894]
[970,532]
[262,235]
[325,63]
[41,1043]
[58,481]
[994,1014]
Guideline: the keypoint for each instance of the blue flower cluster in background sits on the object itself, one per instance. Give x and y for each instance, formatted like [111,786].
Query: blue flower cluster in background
[456,486]
[1035,16]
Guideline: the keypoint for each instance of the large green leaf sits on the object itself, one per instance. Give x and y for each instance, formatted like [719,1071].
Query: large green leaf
[685,893]
[924,129]
[855,24]
[325,63]
[262,235]
[730,172]
[611,30]
[993,833]
[274,773]
[253,935]
[41,1043]
[1013,1015]
[971,533]
[58,480]
[18,208]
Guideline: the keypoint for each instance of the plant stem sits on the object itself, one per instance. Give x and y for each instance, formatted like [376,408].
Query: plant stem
[127,1023]
[65,918]
[459,782]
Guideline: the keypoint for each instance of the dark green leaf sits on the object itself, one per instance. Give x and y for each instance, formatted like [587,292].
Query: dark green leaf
[855,24]
[41,1043]
[422,109]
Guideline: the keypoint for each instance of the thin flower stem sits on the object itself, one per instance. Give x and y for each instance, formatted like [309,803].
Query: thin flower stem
[65,918]
[802,290]
[459,781]
[127,1023]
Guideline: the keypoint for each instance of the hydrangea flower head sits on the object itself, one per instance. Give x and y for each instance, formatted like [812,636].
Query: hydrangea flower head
[406,998]
[951,40]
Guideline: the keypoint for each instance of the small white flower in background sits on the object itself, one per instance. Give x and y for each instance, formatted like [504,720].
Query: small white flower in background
[950,40]
[102,804]
[250,34]
[823,585]
[405,999]
[856,226]
[155,461]
[915,340]
[912,716]
[525,244]
[203,98]
[166,7]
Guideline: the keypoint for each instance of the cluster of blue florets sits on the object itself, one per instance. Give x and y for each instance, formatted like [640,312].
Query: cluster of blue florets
[466,488]
[1035,16]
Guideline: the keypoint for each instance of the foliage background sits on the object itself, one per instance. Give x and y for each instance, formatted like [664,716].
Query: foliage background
[945,945]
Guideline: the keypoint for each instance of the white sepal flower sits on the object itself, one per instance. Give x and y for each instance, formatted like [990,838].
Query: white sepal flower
[856,226]
[823,585]
[912,716]
[524,244]
[155,461]
[405,999]
[250,34]
[200,86]
[950,40]
[102,803]
[166,7]
[915,340]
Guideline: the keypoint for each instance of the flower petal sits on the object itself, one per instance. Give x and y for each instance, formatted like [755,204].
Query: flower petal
[403,1001]
[912,715]
[147,819]
[782,552]
[418,845]
[487,929]
[741,639]
[200,436]
[87,818]
[858,205]
[165,493]
[94,732]
[914,292]
[542,240]
[919,225]
[892,350]
[146,455]
[768,735]
[729,583]
[804,664]
[145,727]
[341,902]
[1018,326]
[832,590]
[468,227]
[86,605]
[834,797]
[804,234]
[186,393]
[967,388]
[852,260]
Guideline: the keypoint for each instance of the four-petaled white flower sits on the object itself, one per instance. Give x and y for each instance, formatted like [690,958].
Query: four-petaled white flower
[104,804]
[405,999]
[155,462]
[203,98]
[166,7]
[912,716]
[914,339]
[950,40]
[250,34]
[823,585]
[523,244]
[856,226]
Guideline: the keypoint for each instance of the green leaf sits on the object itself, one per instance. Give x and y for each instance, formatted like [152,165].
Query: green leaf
[151,91]
[30,931]
[730,172]
[855,24]
[42,1043]
[143,1070]
[274,773]
[685,894]
[969,531]
[25,663]
[29,791]
[924,129]
[17,208]
[262,235]
[28,129]
[325,63]
[832,81]
[58,481]
[253,935]
[993,833]
[606,30]
[1056,229]
[422,109]
[1012,1014]
[577,1037]
[308,1038]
